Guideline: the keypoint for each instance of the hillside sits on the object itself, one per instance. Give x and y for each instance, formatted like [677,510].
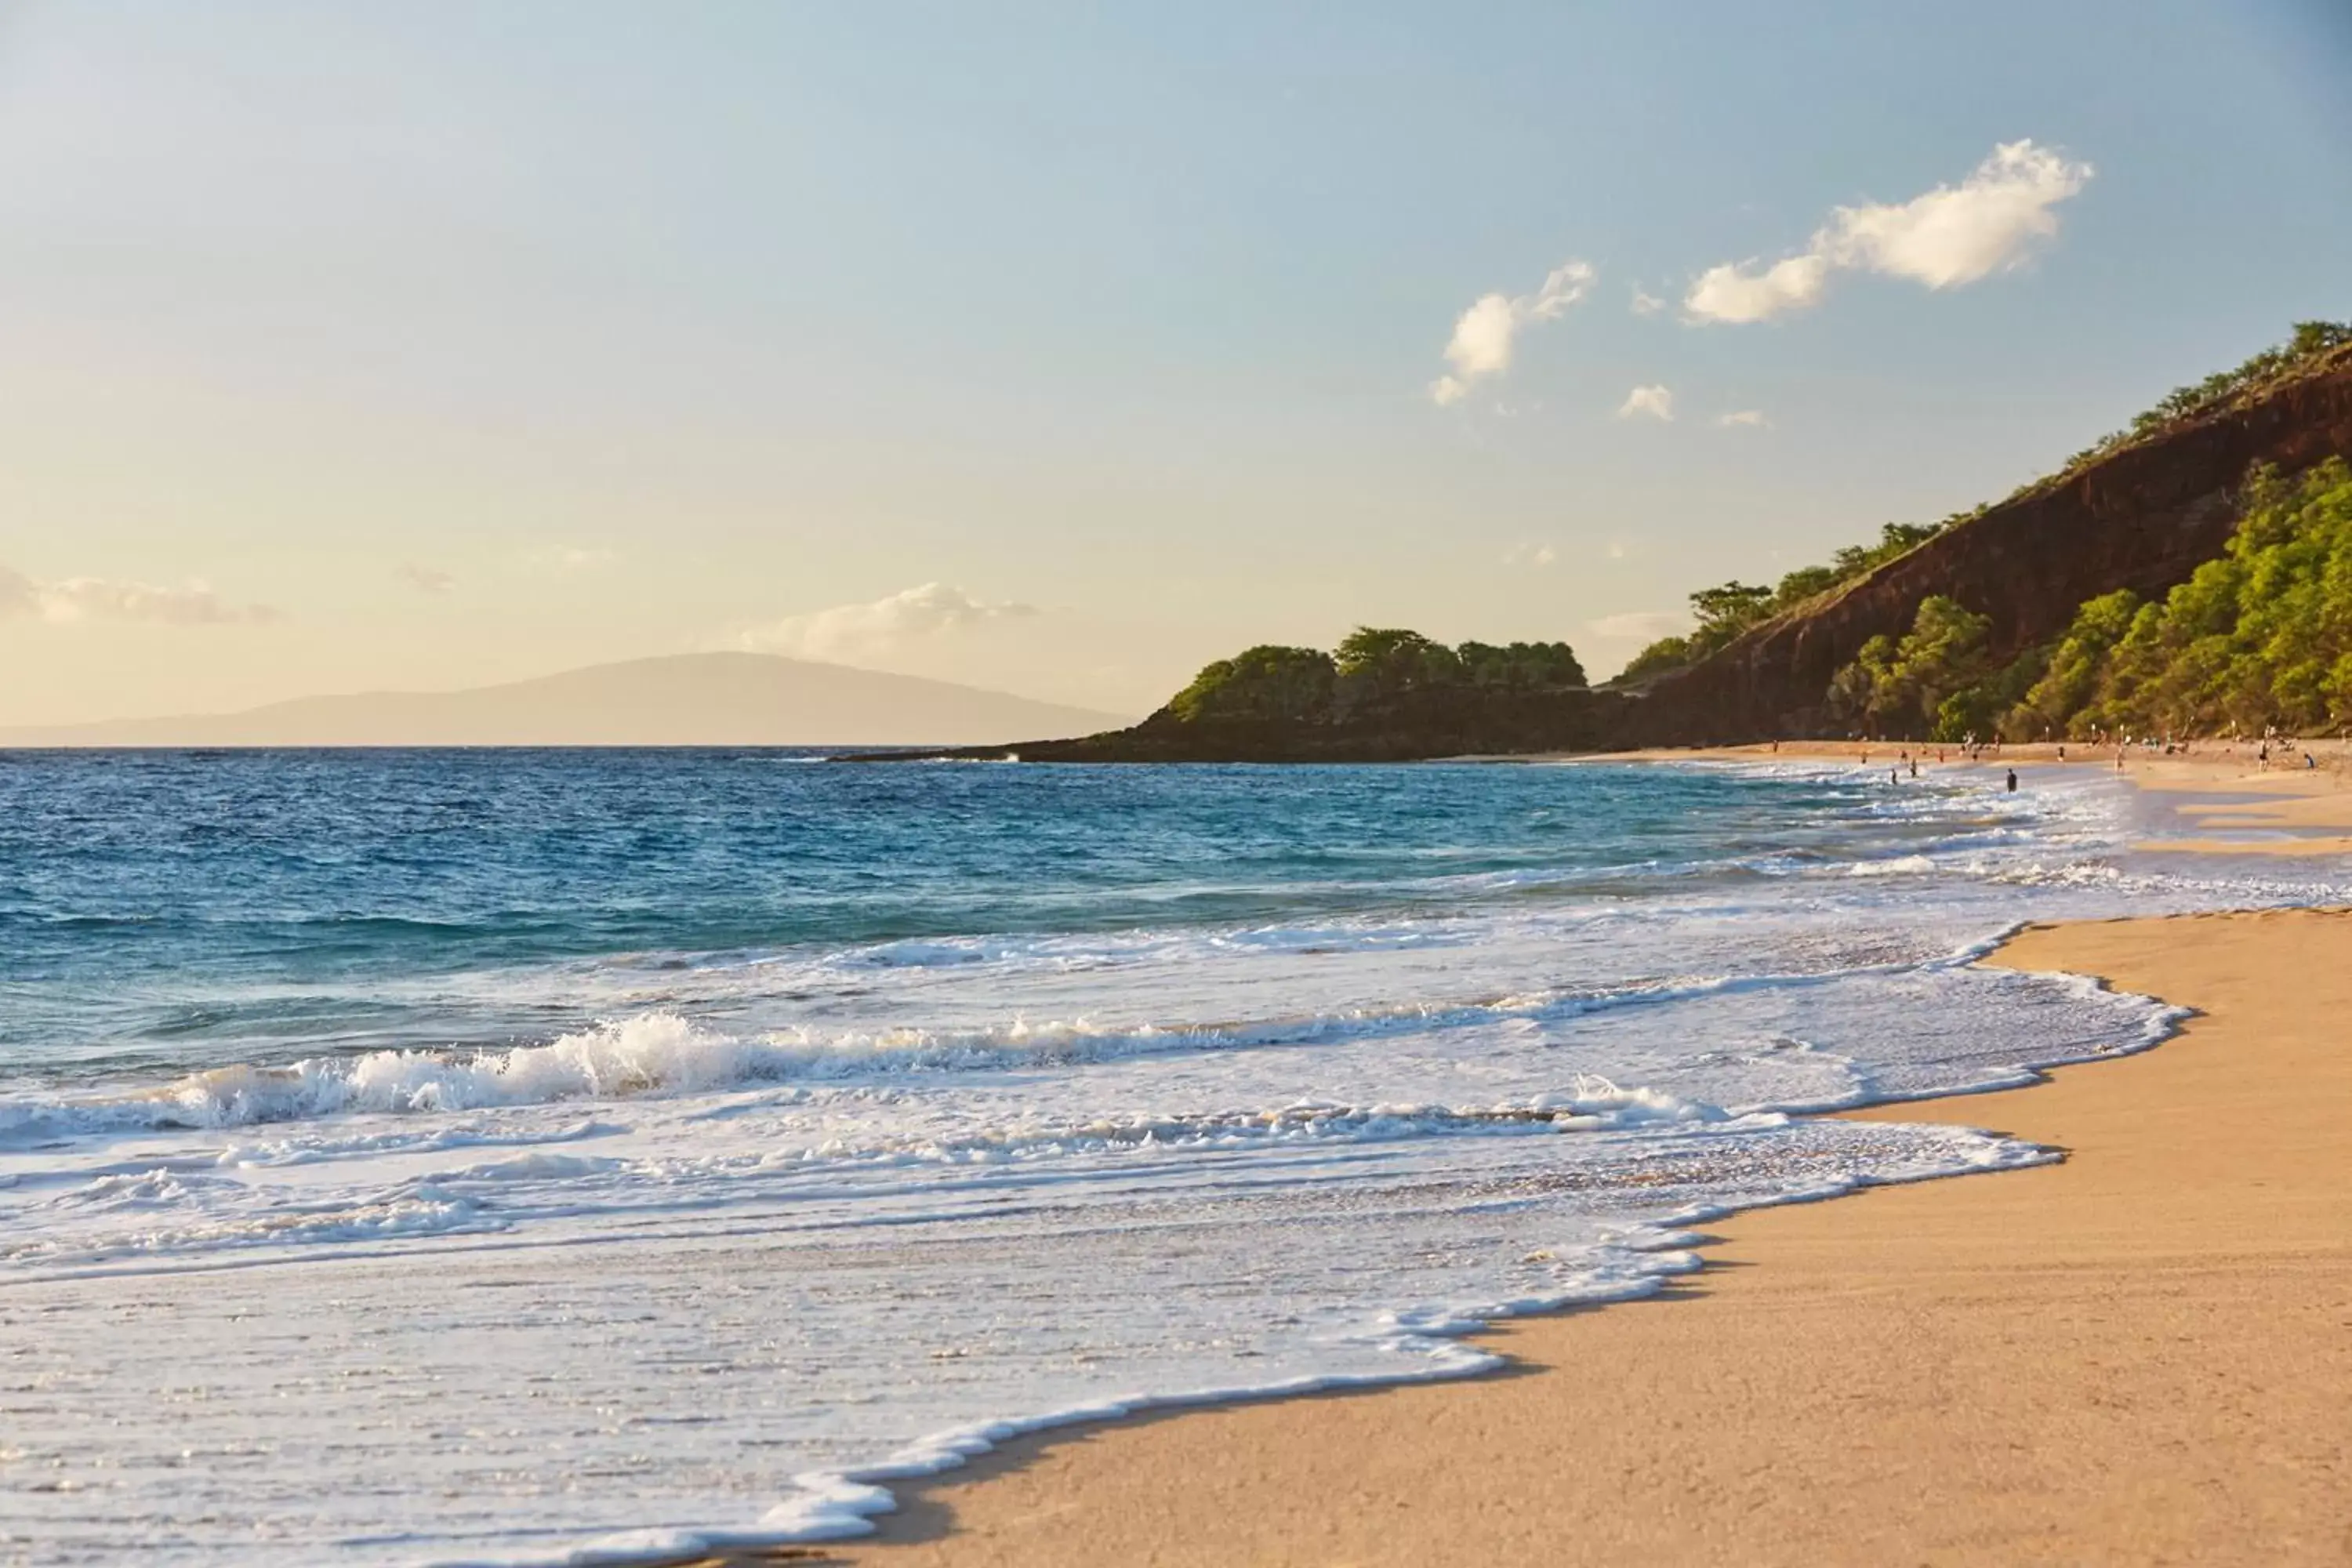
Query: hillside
[2139,513]
[1988,596]
[688,699]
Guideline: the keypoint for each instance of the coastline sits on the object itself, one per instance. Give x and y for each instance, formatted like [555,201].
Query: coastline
[2135,1355]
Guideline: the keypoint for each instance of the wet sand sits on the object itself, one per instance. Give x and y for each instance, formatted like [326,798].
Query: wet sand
[2143,1354]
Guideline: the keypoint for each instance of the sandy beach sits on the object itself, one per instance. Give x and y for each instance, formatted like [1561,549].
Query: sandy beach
[2143,1354]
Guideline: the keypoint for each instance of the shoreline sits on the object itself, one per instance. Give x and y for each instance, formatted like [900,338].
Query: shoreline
[1256,1469]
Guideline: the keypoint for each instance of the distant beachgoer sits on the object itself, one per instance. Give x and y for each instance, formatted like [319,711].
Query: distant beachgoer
[2013,780]
[1915,767]
[1894,775]
[2309,761]
[2062,754]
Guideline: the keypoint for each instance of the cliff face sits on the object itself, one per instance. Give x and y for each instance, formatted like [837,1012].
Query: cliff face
[2143,518]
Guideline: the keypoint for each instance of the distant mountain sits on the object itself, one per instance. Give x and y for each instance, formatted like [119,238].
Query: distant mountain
[688,699]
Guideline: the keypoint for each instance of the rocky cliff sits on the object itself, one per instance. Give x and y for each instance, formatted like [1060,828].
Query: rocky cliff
[2141,518]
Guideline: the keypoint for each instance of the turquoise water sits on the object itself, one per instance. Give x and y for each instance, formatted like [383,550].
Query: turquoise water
[165,911]
[463,1156]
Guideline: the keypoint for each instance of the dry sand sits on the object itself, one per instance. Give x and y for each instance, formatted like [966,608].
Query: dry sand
[2143,1355]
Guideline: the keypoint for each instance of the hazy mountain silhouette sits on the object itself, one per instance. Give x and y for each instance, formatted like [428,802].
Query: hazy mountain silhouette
[687,700]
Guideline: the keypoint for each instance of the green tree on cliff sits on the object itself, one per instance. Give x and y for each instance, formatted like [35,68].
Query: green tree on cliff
[1924,684]
[2261,635]
[1266,682]
[1372,666]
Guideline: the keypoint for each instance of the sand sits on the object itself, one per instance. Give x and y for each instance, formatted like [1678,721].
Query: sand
[2141,1355]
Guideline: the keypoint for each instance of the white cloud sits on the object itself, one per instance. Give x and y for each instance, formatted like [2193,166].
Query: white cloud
[70,599]
[1647,626]
[1744,419]
[1731,293]
[1950,236]
[1484,335]
[1646,303]
[855,631]
[1957,233]
[1651,401]
[1531,554]
[425,579]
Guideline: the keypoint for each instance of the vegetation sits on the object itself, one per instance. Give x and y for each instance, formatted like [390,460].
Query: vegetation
[2306,342]
[1730,608]
[1725,611]
[1905,687]
[1372,665]
[2261,637]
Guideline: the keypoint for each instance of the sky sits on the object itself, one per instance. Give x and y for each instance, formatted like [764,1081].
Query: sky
[1062,349]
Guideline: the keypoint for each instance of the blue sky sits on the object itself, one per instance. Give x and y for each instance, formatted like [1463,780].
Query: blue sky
[1061,349]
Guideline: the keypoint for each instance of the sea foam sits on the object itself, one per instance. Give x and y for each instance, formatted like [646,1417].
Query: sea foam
[661,1220]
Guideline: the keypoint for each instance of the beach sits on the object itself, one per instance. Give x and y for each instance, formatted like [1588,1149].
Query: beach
[742,1203]
[2137,1355]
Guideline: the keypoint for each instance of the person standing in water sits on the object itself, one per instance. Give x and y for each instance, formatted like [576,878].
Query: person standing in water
[2013,780]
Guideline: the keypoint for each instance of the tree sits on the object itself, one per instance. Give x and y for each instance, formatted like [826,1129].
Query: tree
[2070,678]
[2317,338]
[1907,688]
[1733,604]
[1521,666]
[1854,690]
[1802,583]
[1381,661]
[1372,665]
[1266,682]
[1667,653]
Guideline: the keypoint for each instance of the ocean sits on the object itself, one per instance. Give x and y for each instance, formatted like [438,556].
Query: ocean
[438,1157]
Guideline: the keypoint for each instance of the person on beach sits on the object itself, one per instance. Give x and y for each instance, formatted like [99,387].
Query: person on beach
[2013,780]
[1915,767]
